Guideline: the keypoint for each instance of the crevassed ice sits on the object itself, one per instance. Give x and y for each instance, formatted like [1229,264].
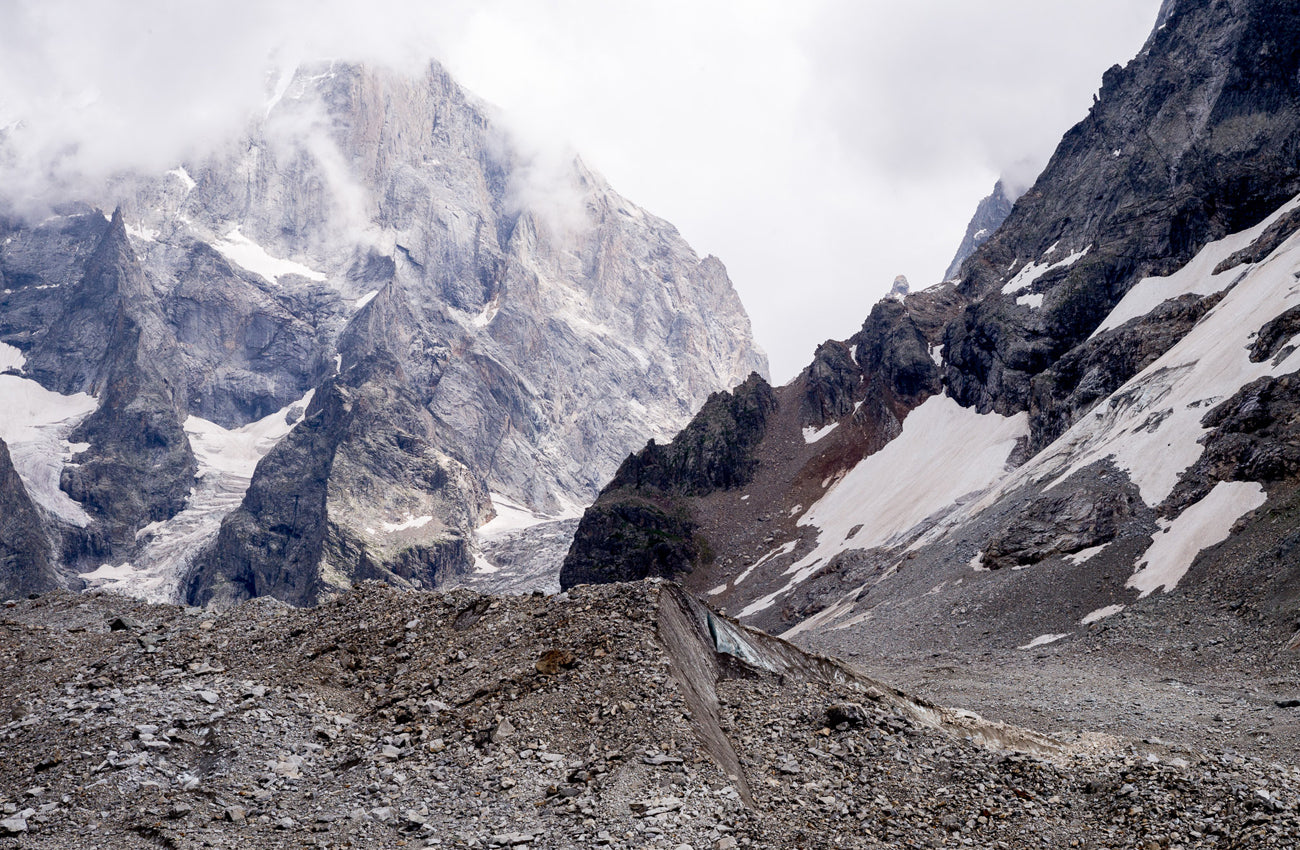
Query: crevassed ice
[35,422]
[227,459]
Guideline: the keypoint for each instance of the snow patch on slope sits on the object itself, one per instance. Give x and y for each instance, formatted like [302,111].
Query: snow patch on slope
[1204,524]
[246,253]
[1030,274]
[227,459]
[812,435]
[783,549]
[237,451]
[1101,614]
[1151,426]
[184,176]
[407,524]
[1044,640]
[1195,278]
[1085,554]
[945,454]
[35,423]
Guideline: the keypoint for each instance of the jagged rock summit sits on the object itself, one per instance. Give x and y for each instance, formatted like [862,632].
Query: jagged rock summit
[335,346]
[988,217]
[900,288]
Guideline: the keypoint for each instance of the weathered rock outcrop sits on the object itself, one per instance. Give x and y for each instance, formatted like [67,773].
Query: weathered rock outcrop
[27,564]
[315,519]
[1084,514]
[988,217]
[714,452]
[641,525]
[1253,436]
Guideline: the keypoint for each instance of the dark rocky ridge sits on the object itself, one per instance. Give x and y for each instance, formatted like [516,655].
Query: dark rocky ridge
[363,433]
[26,554]
[112,341]
[1197,137]
[671,508]
[1207,129]
[641,527]
[1040,561]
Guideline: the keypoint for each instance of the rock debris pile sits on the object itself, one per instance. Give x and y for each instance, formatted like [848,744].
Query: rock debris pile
[604,717]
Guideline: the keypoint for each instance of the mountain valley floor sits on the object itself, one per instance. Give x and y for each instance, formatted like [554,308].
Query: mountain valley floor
[612,716]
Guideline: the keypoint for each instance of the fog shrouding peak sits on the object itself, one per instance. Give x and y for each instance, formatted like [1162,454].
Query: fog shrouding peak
[817,148]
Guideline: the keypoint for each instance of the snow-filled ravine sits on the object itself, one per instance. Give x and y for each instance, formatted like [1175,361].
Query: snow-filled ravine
[35,423]
[1151,426]
[227,459]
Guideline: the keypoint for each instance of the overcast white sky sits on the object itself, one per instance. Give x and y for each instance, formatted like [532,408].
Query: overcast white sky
[819,147]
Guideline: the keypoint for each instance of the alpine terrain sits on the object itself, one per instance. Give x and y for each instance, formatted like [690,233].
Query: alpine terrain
[1063,485]
[371,337]
[295,438]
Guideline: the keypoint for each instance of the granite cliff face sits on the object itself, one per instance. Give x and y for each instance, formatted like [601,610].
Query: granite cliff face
[1092,416]
[988,217]
[26,555]
[376,292]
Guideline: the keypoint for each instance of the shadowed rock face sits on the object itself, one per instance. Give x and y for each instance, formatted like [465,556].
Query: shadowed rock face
[308,522]
[247,349]
[1196,138]
[26,565]
[473,321]
[113,342]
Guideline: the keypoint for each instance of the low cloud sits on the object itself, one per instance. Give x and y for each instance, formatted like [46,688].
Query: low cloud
[819,148]
[91,89]
[931,85]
